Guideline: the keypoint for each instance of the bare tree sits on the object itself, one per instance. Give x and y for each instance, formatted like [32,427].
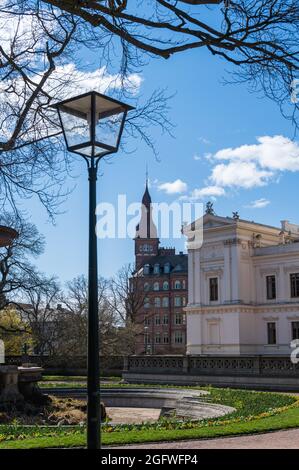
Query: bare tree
[75,318]
[116,333]
[127,293]
[40,315]
[40,48]
[259,37]
[17,273]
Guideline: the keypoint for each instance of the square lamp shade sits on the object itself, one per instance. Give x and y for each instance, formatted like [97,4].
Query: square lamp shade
[92,123]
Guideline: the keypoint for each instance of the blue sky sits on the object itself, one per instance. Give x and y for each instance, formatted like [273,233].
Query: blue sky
[208,117]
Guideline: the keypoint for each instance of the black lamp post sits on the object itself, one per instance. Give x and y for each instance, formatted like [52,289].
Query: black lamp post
[92,126]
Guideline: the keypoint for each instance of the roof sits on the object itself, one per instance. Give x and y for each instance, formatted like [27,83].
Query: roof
[178,263]
[146,199]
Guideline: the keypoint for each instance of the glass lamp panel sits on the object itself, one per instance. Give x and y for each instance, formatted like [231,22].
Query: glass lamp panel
[76,129]
[108,129]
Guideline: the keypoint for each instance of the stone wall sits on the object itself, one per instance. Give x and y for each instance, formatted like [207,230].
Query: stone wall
[260,372]
[54,365]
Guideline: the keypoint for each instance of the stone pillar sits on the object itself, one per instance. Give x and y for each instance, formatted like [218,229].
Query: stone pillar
[126,364]
[9,389]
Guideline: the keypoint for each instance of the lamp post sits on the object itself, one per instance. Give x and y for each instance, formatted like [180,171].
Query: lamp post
[92,126]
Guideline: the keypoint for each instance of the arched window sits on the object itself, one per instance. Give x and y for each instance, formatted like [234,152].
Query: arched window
[146,302]
[157,302]
[146,286]
[165,302]
[177,285]
[156,286]
[165,285]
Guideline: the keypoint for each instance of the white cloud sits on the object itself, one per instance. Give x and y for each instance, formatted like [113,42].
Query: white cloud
[258,203]
[100,80]
[204,140]
[176,187]
[208,191]
[249,166]
[196,157]
[240,174]
[276,153]
[65,82]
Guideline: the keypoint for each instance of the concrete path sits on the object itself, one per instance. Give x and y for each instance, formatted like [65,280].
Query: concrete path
[132,415]
[288,439]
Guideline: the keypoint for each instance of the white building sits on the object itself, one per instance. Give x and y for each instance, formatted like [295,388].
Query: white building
[243,288]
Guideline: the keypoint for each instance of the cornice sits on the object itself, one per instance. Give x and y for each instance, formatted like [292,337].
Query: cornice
[242,308]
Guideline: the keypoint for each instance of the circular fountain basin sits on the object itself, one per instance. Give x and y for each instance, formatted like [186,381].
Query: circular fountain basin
[192,404]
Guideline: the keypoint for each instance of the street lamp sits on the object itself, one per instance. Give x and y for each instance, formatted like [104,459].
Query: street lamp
[92,126]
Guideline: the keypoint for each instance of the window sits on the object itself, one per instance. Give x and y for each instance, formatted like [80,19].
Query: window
[214,332]
[147,321]
[177,285]
[295,329]
[147,339]
[271,332]
[146,286]
[156,286]
[213,289]
[294,284]
[178,337]
[184,301]
[166,268]
[146,269]
[157,338]
[157,268]
[165,319]
[271,287]
[165,338]
[165,285]
[157,302]
[178,319]
[177,302]
[165,302]
[146,302]
[157,320]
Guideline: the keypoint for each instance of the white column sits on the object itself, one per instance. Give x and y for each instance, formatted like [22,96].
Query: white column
[197,278]
[235,272]
[227,292]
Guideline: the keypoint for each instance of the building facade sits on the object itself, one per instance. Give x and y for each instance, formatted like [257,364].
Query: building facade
[163,277]
[243,288]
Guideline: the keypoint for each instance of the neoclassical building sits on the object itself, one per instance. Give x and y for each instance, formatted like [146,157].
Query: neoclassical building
[243,286]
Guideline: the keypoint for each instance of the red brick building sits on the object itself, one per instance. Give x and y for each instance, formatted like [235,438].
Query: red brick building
[164,280]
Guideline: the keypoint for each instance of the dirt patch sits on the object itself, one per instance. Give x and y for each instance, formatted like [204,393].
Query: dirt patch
[58,411]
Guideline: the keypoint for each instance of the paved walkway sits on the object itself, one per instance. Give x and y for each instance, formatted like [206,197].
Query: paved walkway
[132,415]
[288,439]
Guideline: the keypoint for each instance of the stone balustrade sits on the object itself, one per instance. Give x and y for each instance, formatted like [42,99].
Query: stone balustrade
[265,372]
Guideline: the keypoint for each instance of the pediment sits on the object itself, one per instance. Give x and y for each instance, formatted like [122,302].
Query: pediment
[211,221]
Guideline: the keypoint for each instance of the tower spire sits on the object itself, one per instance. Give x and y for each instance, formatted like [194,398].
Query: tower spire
[146,175]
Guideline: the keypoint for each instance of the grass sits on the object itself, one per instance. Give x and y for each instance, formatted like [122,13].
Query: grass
[71,381]
[255,412]
[73,378]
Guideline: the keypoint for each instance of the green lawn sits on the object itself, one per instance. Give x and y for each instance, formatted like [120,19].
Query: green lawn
[255,412]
